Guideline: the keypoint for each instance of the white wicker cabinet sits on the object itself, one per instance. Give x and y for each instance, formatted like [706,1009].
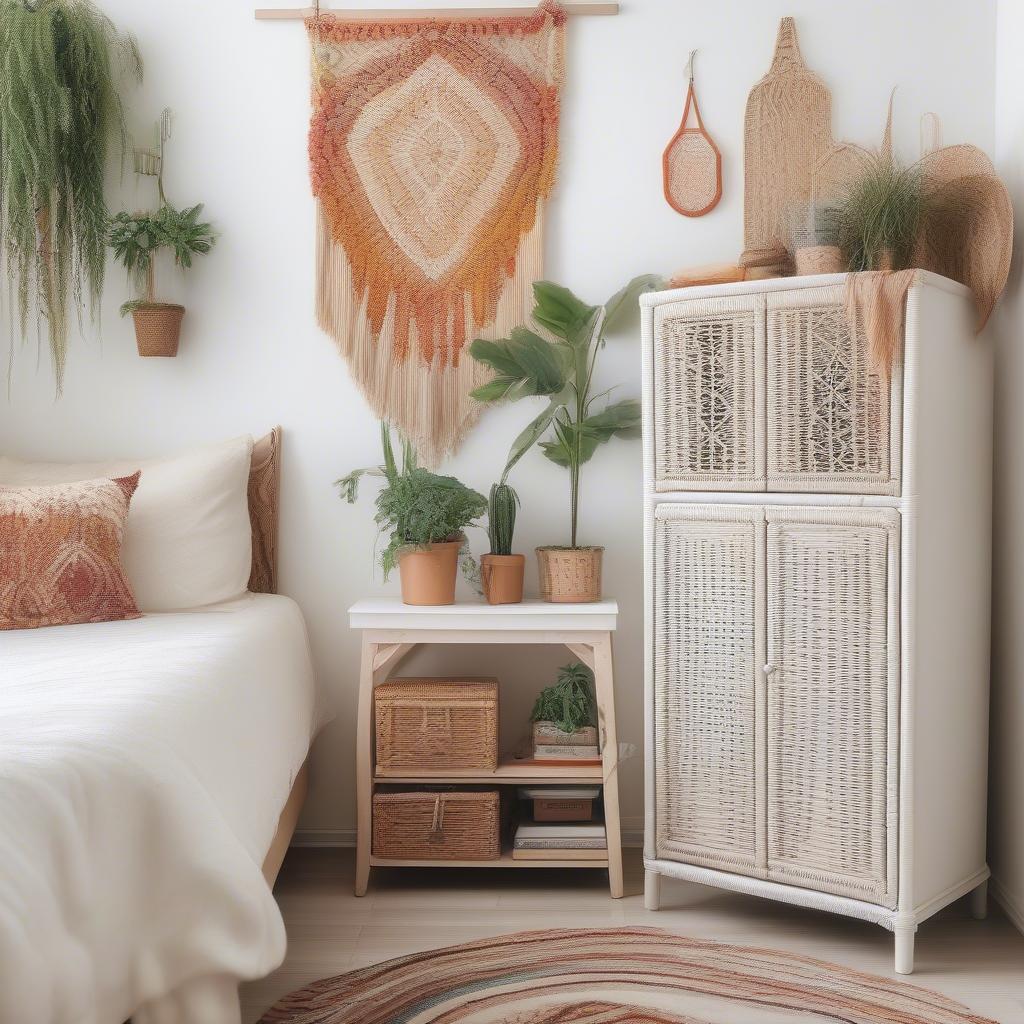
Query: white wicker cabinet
[817,574]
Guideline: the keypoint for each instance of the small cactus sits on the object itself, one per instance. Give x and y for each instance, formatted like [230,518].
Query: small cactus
[501,518]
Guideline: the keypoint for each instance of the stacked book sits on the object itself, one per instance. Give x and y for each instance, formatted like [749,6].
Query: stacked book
[545,841]
[553,745]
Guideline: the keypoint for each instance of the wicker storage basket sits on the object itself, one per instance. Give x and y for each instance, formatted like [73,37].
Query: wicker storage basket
[437,826]
[436,724]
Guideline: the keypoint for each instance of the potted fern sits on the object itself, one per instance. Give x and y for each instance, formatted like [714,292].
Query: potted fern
[562,370]
[501,571]
[136,239]
[427,515]
[565,716]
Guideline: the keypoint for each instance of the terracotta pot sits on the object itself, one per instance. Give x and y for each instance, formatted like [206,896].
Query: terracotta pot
[570,575]
[502,578]
[157,328]
[428,573]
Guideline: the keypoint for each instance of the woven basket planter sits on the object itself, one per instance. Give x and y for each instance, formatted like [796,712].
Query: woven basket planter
[157,328]
[436,724]
[437,826]
[570,575]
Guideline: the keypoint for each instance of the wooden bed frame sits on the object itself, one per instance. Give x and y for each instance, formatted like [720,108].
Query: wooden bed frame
[264,490]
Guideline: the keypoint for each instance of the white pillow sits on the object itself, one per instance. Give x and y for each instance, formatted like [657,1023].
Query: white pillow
[188,540]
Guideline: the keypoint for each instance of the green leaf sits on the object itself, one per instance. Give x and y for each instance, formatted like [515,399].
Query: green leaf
[623,419]
[524,364]
[560,312]
[619,420]
[623,305]
[530,436]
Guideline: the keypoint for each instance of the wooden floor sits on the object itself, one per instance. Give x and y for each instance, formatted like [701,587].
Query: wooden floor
[981,963]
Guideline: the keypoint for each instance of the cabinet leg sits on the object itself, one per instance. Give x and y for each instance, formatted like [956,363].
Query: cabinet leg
[652,890]
[905,948]
[979,901]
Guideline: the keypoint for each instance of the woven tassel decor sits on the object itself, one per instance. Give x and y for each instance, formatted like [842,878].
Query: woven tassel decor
[433,146]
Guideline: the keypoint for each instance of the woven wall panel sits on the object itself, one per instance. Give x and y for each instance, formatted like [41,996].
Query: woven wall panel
[829,407]
[832,699]
[709,582]
[709,367]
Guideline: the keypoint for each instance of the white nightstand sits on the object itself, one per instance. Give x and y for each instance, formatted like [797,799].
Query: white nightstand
[392,629]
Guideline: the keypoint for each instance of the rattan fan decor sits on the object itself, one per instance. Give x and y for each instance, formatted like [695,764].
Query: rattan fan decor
[692,164]
[787,133]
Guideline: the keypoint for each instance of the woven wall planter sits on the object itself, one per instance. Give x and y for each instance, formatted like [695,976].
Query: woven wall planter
[428,573]
[570,575]
[502,578]
[157,328]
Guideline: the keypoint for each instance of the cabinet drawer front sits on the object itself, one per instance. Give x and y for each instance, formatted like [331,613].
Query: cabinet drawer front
[833,419]
[709,394]
[708,701]
[832,700]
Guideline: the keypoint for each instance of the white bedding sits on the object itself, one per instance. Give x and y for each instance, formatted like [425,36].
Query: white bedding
[143,767]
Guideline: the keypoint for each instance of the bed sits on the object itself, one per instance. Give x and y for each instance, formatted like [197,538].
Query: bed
[151,773]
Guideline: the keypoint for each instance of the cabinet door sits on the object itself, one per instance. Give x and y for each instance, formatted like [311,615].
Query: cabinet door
[833,418]
[709,394]
[832,700]
[708,686]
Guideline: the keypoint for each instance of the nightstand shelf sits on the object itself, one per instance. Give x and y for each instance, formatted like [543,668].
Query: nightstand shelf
[392,630]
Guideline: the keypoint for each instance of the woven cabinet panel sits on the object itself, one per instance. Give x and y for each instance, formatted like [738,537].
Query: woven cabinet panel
[832,701]
[709,585]
[829,409]
[709,394]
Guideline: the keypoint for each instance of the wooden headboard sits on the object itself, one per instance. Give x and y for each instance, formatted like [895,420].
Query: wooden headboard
[264,491]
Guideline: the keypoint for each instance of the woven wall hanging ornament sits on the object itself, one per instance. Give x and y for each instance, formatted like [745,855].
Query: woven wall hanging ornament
[691,164]
[433,146]
[787,134]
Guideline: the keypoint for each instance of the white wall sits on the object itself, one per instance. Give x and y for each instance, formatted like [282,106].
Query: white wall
[1006,811]
[252,355]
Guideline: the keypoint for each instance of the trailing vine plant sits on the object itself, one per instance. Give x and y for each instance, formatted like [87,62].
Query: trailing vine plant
[60,117]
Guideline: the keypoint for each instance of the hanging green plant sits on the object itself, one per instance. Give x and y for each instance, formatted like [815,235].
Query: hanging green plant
[60,115]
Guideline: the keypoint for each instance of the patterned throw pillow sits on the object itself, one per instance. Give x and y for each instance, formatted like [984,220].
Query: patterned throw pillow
[60,553]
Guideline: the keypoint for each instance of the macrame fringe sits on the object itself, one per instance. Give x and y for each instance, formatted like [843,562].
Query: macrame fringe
[875,303]
[437,418]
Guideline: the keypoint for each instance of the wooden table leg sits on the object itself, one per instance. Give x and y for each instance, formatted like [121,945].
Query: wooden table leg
[364,766]
[605,691]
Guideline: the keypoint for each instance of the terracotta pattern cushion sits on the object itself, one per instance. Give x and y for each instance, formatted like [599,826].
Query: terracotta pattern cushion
[60,553]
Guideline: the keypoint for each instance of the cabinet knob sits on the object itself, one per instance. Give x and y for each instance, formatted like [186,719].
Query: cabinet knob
[770,669]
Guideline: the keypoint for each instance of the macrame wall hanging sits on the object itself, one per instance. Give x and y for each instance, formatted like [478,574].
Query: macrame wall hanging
[433,146]
[691,164]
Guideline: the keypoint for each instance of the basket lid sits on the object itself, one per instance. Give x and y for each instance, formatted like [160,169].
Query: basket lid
[441,689]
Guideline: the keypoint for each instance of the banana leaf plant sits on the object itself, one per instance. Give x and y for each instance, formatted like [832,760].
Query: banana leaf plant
[575,422]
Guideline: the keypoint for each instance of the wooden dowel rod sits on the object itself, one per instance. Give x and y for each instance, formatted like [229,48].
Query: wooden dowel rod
[302,13]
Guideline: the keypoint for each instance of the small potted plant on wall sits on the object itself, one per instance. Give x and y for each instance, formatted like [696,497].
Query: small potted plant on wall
[136,239]
[562,370]
[501,571]
[427,515]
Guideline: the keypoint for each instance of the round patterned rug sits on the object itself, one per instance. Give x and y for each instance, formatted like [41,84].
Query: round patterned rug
[611,976]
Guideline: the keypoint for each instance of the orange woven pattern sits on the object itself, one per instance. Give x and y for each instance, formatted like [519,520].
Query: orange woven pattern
[432,145]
